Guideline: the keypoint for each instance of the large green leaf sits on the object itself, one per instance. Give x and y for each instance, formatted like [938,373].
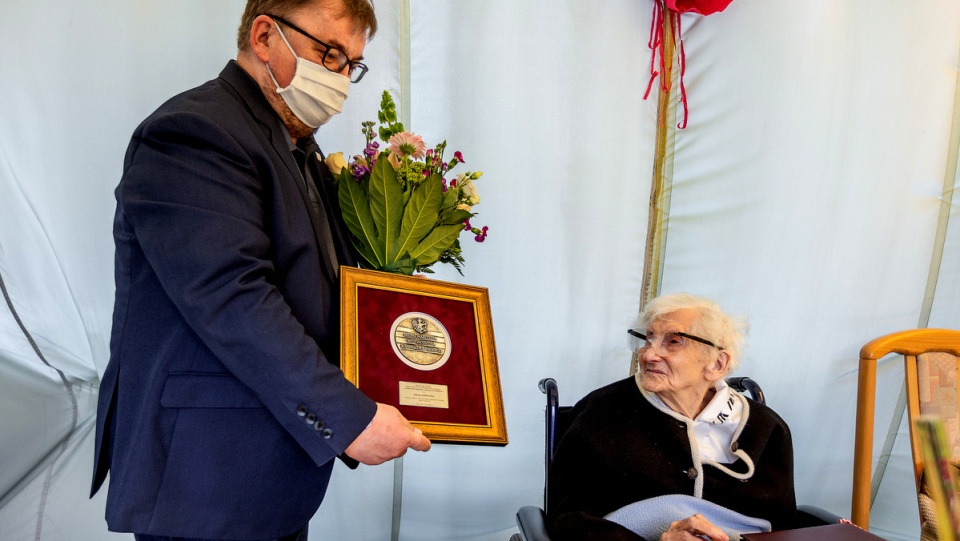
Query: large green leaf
[401,266]
[421,213]
[355,208]
[386,207]
[343,176]
[437,242]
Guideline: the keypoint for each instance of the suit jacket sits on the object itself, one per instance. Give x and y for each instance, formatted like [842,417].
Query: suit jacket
[222,405]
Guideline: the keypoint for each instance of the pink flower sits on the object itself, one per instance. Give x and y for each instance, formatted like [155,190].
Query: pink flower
[458,156]
[481,234]
[407,144]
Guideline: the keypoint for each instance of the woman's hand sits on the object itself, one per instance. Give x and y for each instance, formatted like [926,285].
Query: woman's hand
[693,528]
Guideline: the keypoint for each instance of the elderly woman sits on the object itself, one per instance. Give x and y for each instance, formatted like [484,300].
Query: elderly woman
[674,453]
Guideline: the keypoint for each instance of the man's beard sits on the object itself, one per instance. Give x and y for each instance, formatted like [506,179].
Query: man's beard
[294,125]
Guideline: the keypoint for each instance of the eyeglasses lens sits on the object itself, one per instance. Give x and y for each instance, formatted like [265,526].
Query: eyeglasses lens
[335,60]
[669,342]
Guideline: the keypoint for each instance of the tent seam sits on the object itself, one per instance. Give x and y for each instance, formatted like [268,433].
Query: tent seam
[662,186]
[405,62]
[73,402]
[405,119]
[933,276]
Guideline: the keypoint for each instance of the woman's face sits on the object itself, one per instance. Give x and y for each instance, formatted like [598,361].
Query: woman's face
[688,372]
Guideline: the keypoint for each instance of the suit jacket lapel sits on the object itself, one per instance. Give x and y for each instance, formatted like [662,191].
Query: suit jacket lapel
[248,91]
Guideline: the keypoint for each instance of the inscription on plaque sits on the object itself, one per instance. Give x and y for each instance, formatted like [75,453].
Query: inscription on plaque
[425,395]
[420,341]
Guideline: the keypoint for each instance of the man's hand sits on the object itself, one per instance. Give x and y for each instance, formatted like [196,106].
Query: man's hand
[388,436]
[693,528]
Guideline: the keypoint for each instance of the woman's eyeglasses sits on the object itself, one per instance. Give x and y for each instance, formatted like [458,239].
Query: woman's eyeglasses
[670,342]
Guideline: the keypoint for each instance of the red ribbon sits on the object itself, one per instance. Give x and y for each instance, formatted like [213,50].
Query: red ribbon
[703,7]
[656,42]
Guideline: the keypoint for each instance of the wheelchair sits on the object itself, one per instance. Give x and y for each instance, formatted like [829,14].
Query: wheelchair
[531,519]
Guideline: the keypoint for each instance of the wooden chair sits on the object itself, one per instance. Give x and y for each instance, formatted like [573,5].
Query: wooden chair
[931,358]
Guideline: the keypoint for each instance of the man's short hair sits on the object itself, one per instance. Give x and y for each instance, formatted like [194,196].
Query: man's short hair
[359,11]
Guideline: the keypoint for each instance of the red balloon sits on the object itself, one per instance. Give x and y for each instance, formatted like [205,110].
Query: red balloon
[703,7]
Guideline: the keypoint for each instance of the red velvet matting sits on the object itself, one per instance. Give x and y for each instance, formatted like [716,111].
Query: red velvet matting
[379,370]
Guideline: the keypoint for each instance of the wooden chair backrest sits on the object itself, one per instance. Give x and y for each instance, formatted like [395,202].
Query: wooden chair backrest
[930,371]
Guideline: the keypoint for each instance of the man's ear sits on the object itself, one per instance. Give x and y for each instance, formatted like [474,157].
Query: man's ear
[259,37]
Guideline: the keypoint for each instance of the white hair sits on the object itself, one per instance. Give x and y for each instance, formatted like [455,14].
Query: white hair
[711,323]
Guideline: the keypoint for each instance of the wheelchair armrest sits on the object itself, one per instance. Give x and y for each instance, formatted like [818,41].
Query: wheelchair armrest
[532,523]
[810,515]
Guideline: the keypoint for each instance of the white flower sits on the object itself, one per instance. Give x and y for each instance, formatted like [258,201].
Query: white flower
[468,191]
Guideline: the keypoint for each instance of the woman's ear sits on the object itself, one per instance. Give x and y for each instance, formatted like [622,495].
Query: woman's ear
[717,368]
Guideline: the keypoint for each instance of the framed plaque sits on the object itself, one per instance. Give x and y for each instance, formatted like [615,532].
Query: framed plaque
[425,347]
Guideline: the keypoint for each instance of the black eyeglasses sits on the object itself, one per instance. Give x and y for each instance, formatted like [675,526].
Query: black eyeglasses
[334,59]
[672,342]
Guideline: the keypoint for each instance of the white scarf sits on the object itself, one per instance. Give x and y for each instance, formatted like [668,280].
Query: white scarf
[713,432]
[715,425]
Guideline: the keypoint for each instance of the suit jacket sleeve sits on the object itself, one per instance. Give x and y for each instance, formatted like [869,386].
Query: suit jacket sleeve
[197,199]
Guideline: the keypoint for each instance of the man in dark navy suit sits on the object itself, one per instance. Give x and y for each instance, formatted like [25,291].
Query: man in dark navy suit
[223,407]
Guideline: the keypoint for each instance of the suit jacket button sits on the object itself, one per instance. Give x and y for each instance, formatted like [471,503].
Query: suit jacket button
[734,446]
[310,418]
[319,425]
[692,473]
[301,411]
[327,433]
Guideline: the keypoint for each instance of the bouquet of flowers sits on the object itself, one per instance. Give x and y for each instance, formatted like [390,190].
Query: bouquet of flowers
[403,213]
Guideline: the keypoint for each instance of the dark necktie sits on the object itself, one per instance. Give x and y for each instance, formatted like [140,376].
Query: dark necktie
[307,158]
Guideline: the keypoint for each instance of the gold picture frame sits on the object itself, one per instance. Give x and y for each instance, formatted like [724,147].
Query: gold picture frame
[427,348]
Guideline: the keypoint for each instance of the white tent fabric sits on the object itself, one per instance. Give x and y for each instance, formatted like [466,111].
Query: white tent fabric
[806,194]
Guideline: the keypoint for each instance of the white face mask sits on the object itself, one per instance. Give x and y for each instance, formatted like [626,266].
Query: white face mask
[315,93]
